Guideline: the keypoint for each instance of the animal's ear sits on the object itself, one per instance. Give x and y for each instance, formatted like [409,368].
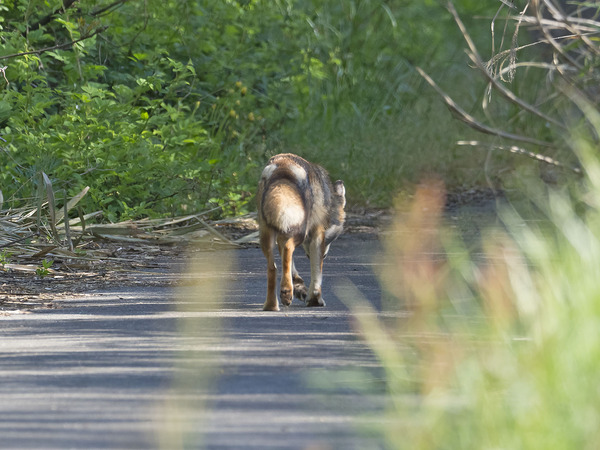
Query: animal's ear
[339,188]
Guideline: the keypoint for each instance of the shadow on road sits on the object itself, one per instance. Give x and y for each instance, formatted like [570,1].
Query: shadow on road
[155,367]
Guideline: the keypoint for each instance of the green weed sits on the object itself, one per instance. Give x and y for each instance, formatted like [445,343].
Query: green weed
[44,270]
[5,257]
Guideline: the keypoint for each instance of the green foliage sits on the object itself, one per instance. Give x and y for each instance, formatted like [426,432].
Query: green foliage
[4,258]
[44,270]
[121,114]
[171,107]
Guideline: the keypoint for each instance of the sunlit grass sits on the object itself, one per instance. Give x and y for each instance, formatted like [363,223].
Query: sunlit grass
[379,159]
[502,353]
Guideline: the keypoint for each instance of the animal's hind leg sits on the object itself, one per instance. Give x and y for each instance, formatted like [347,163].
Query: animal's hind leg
[267,244]
[286,249]
[300,291]
[317,251]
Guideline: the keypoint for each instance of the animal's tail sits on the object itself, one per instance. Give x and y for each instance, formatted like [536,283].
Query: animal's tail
[283,207]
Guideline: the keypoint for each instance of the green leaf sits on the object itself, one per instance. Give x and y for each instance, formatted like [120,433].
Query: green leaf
[5,110]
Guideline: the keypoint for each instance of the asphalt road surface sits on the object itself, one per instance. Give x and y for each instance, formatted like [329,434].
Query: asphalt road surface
[198,366]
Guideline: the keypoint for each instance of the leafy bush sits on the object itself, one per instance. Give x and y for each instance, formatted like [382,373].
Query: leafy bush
[125,110]
[171,107]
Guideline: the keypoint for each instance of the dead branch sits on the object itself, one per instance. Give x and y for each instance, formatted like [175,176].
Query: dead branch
[551,40]
[568,25]
[520,151]
[3,71]
[465,117]
[509,4]
[506,93]
[109,7]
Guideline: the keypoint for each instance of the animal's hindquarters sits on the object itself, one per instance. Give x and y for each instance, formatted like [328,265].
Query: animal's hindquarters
[282,208]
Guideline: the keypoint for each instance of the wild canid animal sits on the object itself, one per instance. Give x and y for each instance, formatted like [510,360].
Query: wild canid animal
[297,204]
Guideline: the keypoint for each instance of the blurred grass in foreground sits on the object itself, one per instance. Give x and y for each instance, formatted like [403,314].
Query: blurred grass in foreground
[503,353]
[182,419]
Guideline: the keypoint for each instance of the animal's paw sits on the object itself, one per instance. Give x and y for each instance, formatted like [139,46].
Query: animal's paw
[315,301]
[300,291]
[271,306]
[286,297]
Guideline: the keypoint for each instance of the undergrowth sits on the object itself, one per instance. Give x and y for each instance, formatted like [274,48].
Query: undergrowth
[171,108]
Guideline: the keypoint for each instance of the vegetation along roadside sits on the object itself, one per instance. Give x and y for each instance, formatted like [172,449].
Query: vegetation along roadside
[169,108]
[500,351]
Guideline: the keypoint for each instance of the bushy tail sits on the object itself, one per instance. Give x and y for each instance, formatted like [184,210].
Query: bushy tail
[283,208]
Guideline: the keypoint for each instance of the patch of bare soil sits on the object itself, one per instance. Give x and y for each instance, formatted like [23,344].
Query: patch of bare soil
[36,273]
[24,285]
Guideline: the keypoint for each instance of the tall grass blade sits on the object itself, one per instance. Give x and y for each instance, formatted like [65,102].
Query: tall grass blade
[67,226]
[186,411]
[60,215]
[51,204]
[390,14]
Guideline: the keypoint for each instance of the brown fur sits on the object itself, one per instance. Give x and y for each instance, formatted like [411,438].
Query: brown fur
[297,204]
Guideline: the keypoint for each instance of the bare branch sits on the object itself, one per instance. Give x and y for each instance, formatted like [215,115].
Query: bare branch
[566,21]
[551,40]
[583,25]
[113,5]
[507,93]
[509,4]
[505,53]
[462,115]
[520,151]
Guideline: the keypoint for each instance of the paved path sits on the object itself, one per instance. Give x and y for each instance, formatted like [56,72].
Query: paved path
[194,367]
